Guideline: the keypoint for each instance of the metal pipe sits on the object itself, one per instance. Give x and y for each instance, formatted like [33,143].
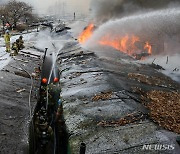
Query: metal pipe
[45,54]
[82,148]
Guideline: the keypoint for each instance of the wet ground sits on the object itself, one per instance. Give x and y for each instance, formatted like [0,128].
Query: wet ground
[102,103]
[15,86]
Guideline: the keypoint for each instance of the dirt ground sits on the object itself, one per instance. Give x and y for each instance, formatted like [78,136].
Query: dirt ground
[15,85]
[103,106]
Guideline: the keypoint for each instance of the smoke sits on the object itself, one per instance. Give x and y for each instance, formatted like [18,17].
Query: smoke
[54,7]
[44,39]
[59,7]
[77,27]
[62,8]
[157,22]
[3,2]
[103,10]
[161,28]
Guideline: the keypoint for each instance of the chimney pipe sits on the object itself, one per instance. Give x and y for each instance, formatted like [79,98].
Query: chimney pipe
[82,148]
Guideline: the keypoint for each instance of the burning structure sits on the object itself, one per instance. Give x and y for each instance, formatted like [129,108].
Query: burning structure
[126,44]
[139,35]
[86,34]
[105,100]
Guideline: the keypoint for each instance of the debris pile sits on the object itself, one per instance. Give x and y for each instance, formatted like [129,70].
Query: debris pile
[150,80]
[165,108]
[36,73]
[156,66]
[141,56]
[130,118]
[75,75]
[102,96]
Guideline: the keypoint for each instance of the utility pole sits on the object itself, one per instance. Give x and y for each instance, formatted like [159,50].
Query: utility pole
[74,15]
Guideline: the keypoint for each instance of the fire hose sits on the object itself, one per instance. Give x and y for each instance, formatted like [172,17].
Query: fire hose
[30,93]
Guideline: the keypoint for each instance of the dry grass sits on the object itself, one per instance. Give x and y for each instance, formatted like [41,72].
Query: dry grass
[102,96]
[150,80]
[165,109]
[128,119]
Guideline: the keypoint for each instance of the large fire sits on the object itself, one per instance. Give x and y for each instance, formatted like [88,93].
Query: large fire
[148,47]
[129,44]
[124,44]
[86,34]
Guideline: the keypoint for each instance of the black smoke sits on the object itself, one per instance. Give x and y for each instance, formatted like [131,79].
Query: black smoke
[103,10]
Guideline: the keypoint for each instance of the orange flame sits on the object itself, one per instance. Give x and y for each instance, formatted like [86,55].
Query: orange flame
[86,34]
[129,44]
[125,44]
[148,47]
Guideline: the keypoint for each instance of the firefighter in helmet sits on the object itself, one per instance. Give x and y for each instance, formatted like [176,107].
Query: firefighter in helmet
[15,47]
[40,113]
[7,38]
[21,42]
[44,131]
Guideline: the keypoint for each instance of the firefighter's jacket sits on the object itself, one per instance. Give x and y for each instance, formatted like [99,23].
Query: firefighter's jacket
[7,38]
[21,44]
[15,46]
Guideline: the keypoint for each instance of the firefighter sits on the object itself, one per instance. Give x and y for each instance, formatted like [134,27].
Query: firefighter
[44,131]
[7,38]
[41,113]
[21,42]
[15,47]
